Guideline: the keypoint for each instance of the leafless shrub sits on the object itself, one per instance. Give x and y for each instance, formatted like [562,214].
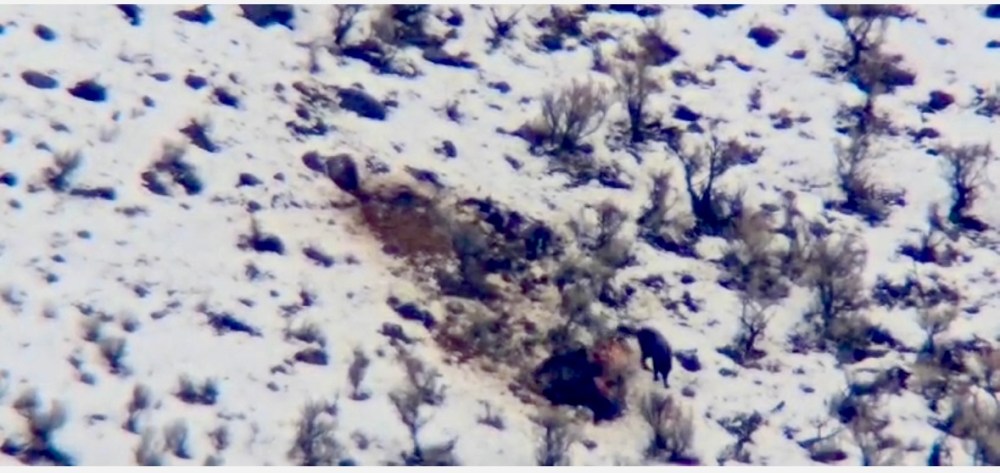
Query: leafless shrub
[491,417]
[654,46]
[149,452]
[867,426]
[452,111]
[501,27]
[966,167]
[142,399]
[834,273]
[741,426]
[601,237]
[175,438]
[308,332]
[130,324]
[189,392]
[64,165]
[564,21]
[92,327]
[934,318]
[403,25]
[863,195]
[861,58]
[673,429]
[753,322]
[933,245]
[751,263]
[315,443]
[26,402]
[360,440]
[713,210]
[4,383]
[343,21]
[571,115]
[13,297]
[987,104]
[822,446]
[219,438]
[407,403]
[660,226]
[39,448]
[971,420]
[356,374]
[635,83]
[113,349]
[423,380]
[558,434]
[989,362]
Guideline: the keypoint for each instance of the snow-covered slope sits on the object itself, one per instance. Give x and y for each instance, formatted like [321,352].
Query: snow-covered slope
[152,269]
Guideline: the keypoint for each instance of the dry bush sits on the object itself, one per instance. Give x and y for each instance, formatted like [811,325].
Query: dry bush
[714,210]
[189,392]
[934,382]
[564,21]
[867,426]
[976,423]
[356,374]
[219,437]
[113,349]
[407,403]
[343,21]
[601,238]
[501,27]
[741,426]
[142,399]
[753,323]
[422,389]
[309,332]
[989,362]
[392,28]
[934,245]
[558,434]
[861,58]
[834,271]
[491,417]
[654,47]
[570,115]
[175,439]
[987,104]
[39,449]
[64,166]
[398,26]
[315,443]
[660,225]
[603,249]
[633,76]
[149,452]
[966,174]
[863,195]
[673,429]
[751,264]
[422,380]
[934,319]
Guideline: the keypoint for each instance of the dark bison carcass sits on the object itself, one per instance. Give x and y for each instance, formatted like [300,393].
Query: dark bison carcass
[572,379]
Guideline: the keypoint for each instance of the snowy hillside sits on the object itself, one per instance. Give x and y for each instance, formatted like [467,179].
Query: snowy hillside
[190,273]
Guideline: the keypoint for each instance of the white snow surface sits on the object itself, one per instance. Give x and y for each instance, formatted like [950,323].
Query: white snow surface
[183,249]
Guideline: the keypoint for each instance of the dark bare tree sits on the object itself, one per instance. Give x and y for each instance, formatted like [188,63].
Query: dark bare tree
[966,168]
[714,210]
